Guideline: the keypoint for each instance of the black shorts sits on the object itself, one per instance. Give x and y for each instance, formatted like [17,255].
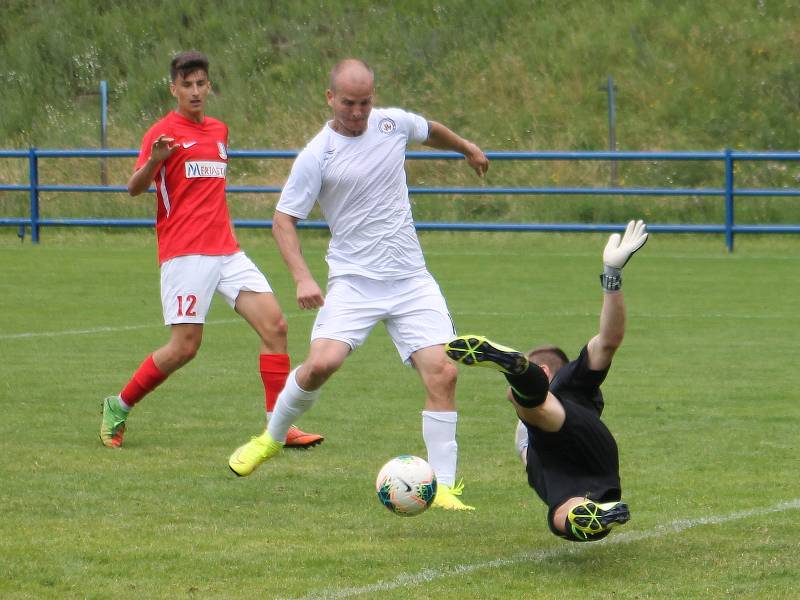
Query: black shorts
[581,459]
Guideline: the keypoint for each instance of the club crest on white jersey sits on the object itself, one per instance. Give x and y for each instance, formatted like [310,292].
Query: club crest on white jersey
[223,153]
[387,125]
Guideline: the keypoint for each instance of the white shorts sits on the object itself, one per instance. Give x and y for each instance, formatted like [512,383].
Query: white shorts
[188,283]
[413,310]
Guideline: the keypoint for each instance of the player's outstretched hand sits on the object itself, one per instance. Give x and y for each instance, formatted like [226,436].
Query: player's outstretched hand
[618,250]
[163,147]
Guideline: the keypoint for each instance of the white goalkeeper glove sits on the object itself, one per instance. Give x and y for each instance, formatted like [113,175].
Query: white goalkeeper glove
[618,252]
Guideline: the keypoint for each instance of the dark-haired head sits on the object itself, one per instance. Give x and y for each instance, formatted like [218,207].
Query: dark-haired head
[186,63]
[551,356]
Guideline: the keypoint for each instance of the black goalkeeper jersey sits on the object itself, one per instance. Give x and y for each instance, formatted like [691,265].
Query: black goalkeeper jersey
[581,459]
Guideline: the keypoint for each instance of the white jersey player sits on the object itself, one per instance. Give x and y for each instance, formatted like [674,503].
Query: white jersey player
[354,169]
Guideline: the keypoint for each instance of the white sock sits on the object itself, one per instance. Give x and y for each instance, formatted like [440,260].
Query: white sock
[439,433]
[521,441]
[122,404]
[292,402]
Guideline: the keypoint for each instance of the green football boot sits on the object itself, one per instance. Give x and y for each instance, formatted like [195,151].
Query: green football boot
[112,427]
[245,459]
[447,497]
[476,350]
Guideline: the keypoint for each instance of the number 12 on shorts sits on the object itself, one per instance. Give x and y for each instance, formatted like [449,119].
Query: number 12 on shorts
[186,305]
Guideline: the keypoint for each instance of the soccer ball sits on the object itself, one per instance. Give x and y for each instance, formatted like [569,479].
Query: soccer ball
[406,485]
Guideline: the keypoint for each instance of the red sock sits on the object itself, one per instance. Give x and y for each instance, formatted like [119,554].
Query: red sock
[274,371]
[146,378]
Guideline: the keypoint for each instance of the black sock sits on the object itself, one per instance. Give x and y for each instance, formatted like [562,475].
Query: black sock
[530,387]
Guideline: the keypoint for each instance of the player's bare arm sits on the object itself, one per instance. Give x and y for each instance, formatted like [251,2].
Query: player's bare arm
[601,348]
[284,230]
[617,253]
[140,181]
[442,138]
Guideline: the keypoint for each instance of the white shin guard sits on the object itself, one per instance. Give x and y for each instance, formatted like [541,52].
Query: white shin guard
[292,402]
[439,433]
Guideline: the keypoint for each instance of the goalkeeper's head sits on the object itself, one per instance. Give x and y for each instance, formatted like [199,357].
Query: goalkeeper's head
[550,358]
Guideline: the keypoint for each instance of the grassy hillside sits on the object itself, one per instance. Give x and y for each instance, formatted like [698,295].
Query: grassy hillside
[515,74]
[509,74]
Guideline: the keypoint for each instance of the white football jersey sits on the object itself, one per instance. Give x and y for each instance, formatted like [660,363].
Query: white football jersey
[360,185]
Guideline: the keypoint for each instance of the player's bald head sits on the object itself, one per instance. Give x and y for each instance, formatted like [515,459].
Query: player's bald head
[351,73]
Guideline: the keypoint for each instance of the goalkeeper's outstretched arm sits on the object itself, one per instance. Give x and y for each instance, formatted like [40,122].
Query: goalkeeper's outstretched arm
[616,255]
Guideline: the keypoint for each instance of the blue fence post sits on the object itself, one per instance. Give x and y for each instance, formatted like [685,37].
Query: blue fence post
[729,199]
[104,130]
[33,170]
[612,128]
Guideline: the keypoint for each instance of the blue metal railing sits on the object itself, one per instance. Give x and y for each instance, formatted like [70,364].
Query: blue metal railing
[728,192]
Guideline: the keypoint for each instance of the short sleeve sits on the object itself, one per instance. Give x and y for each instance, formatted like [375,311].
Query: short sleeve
[419,129]
[575,381]
[145,150]
[578,374]
[302,187]
[414,126]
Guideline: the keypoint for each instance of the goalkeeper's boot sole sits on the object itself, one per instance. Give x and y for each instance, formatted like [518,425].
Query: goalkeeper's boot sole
[589,519]
[112,426]
[296,438]
[475,350]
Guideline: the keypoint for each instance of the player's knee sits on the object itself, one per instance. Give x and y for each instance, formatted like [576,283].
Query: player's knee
[278,329]
[187,351]
[447,374]
[440,381]
[320,368]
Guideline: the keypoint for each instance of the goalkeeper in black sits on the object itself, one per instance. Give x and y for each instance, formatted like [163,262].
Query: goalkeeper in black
[571,457]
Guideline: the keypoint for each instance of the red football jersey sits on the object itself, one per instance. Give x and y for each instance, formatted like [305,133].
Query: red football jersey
[192,213]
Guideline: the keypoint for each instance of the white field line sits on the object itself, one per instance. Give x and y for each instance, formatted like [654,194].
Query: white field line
[93,330]
[662,316]
[409,580]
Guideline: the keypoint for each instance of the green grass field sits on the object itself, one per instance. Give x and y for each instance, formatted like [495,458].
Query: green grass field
[703,398]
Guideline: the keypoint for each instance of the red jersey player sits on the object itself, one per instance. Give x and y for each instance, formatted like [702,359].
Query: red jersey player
[185,155]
